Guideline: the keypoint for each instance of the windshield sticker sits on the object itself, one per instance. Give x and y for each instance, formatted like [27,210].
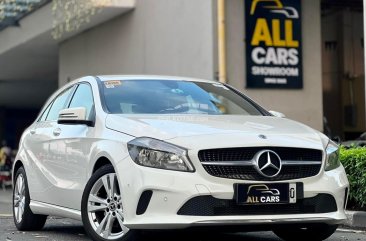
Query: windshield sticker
[112,83]
[177,91]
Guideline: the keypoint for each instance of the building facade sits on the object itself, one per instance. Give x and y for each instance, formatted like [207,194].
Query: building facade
[180,37]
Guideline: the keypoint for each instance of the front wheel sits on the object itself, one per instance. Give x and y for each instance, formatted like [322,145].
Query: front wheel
[317,232]
[101,208]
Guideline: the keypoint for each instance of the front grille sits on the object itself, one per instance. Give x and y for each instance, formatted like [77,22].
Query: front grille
[248,153]
[214,162]
[210,206]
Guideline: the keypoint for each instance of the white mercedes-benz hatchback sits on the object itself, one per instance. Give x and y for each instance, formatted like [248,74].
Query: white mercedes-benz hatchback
[130,153]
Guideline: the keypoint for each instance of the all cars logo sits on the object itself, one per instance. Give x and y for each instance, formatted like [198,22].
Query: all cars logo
[262,194]
[273,30]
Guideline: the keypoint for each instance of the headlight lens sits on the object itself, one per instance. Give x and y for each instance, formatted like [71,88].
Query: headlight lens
[332,159]
[150,152]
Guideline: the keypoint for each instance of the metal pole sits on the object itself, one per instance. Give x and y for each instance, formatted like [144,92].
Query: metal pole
[221,40]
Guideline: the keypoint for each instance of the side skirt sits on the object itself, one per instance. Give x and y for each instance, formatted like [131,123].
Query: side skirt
[50,209]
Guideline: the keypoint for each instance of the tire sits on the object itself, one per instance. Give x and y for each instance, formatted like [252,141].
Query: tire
[24,218]
[317,232]
[101,207]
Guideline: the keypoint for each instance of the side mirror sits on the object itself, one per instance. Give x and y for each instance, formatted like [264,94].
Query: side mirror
[76,116]
[277,114]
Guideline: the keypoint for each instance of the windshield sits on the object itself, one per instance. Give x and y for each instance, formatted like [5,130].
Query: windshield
[173,97]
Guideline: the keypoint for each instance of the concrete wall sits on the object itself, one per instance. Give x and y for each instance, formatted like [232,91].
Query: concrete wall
[179,38]
[304,105]
[159,37]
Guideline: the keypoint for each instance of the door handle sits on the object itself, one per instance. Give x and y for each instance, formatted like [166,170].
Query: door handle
[57,132]
[32,132]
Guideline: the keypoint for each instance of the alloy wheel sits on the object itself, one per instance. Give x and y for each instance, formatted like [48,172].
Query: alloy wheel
[19,198]
[105,210]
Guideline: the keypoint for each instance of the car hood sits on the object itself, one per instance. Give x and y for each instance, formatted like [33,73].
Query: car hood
[211,131]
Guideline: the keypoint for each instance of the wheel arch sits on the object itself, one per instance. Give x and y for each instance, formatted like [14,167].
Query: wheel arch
[17,164]
[101,161]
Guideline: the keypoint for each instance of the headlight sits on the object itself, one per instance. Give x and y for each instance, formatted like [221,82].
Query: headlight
[150,152]
[332,159]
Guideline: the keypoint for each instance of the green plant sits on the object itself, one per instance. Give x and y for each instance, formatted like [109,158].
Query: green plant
[354,161]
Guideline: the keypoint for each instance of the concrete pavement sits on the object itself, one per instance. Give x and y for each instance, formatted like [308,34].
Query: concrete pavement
[55,229]
[5,203]
[66,230]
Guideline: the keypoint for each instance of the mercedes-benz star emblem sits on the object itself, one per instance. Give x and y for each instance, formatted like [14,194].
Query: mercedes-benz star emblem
[268,163]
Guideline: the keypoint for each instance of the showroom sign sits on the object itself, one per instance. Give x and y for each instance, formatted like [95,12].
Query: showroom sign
[273,44]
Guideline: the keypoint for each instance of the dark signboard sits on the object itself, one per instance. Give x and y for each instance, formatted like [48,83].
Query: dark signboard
[273,44]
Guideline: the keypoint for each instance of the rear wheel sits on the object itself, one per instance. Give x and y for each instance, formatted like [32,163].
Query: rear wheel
[317,232]
[24,218]
[102,210]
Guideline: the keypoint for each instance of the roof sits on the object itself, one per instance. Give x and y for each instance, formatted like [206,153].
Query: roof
[152,77]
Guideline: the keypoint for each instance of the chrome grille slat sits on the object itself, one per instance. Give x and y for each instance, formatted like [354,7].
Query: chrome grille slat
[230,163]
[294,163]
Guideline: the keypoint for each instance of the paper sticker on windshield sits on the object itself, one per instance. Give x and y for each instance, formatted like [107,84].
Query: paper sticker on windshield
[221,86]
[112,83]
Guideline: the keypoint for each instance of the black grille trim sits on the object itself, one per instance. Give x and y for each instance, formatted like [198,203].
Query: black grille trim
[209,157]
[250,173]
[345,198]
[144,202]
[210,206]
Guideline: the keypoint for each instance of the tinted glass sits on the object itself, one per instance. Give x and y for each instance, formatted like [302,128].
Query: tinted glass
[83,97]
[58,104]
[174,97]
[45,113]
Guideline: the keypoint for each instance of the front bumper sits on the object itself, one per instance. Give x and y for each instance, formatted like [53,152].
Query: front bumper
[172,189]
